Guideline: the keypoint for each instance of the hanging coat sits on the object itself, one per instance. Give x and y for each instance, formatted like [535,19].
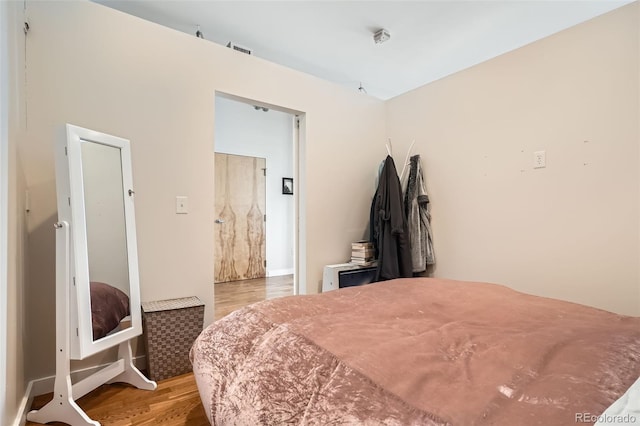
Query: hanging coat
[418,218]
[388,228]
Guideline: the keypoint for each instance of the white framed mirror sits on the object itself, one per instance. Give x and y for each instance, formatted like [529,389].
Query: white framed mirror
[96,197]
[97,285]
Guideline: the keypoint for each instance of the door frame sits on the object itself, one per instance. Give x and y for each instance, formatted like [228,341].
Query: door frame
[4,198]
[300,202]
[299,184]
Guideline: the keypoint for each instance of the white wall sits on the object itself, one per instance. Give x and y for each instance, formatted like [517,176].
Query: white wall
[569,230]
[12,215]
[101,69]
[4,209]
[243,130]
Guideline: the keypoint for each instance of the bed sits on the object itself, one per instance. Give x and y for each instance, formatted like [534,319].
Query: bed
[418,351]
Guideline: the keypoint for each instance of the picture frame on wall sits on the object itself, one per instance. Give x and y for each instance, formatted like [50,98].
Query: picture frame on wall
[287,186]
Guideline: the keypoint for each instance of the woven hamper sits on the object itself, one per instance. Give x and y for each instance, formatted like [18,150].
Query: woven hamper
[170,328]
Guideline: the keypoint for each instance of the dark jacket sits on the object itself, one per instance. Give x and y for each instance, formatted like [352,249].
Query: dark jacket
[388,228]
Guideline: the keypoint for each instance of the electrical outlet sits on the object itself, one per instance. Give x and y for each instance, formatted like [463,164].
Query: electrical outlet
[539,159]
[182,205]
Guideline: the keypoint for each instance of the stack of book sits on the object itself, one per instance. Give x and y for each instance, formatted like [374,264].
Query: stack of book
[362,253]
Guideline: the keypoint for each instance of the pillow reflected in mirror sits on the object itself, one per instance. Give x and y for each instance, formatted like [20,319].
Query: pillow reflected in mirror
[109,306]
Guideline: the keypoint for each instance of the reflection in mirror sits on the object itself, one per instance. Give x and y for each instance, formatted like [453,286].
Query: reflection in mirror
[106,238]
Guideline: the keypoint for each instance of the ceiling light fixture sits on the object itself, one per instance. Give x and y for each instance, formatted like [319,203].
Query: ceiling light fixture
[361,89]
[199,33]
[381,36]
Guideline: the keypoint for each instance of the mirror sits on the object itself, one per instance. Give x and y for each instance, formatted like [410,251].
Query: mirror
[95,196]
[106,237]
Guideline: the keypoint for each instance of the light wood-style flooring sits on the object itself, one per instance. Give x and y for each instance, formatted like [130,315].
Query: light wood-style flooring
[176,401]
[234,295]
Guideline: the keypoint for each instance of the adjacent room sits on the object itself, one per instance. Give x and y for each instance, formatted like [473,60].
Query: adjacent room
[253,146]
[319,212]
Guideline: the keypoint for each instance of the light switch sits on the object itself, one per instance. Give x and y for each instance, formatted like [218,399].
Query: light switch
[182,205]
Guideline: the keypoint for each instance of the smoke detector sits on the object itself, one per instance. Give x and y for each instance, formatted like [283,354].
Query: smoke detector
[381,36]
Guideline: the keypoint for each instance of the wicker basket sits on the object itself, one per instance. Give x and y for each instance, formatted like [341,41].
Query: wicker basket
[170,328]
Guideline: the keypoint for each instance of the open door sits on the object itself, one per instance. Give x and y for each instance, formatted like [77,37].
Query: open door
[240,216]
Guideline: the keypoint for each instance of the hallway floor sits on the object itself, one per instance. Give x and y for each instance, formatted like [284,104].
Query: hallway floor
[234,295]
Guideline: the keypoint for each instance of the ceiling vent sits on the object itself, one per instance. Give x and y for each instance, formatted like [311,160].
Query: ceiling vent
[239,48]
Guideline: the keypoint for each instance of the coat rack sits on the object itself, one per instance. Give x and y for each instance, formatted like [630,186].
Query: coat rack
[389,147]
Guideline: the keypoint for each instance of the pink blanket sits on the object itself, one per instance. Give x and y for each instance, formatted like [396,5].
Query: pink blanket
[415,352]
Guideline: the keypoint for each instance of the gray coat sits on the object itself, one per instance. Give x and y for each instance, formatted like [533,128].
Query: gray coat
[416,203]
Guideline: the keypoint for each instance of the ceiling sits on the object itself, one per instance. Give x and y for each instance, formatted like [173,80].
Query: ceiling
[333,40]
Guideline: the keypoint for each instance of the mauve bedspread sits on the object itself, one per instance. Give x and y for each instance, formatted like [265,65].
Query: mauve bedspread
[415,351]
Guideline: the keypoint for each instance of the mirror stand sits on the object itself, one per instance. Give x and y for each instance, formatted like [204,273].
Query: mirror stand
[63,407]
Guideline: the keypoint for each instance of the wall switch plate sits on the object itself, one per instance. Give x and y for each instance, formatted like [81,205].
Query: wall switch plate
[539,159]
[182,205]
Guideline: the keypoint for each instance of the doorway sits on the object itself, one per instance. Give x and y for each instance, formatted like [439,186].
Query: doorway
[249,130]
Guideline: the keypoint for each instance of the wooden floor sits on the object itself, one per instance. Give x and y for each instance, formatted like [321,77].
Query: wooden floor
[176,401]
[235,294]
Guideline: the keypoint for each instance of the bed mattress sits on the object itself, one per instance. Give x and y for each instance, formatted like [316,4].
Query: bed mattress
[418,351]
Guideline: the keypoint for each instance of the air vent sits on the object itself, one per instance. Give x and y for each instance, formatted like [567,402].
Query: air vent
[239,48]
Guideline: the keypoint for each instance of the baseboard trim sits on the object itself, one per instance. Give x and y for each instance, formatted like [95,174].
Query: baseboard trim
[45,385]
[27,400]
[279,272]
